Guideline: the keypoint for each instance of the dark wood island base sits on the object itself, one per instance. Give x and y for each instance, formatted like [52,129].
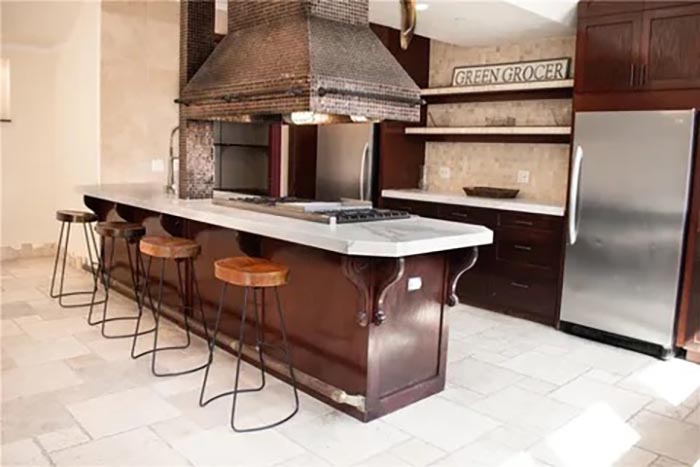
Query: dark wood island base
[369,334]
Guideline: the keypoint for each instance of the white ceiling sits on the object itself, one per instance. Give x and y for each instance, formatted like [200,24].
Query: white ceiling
[463,22]
[479,22]
[483,22]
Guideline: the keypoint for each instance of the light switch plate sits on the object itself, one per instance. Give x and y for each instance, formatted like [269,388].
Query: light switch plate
[524,176]
[445,172]
[157,165]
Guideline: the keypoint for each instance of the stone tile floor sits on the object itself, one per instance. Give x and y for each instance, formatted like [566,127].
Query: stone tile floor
[519,394]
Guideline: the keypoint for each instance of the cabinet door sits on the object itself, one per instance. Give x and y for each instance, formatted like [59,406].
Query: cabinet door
[671,48]
[607,52]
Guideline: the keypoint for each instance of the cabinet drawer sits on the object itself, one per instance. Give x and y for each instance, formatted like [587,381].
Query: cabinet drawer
[519,292]
[528,247]
[468,215]
[529,221]
[414,207]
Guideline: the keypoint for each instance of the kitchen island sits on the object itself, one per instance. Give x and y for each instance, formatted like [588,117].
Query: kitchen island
[366,304]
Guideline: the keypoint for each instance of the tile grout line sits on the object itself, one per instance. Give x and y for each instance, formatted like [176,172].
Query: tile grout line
[167,443]
[43,451]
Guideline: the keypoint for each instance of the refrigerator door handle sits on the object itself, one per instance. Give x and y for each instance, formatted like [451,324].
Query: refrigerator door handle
[574,200]
[363,169]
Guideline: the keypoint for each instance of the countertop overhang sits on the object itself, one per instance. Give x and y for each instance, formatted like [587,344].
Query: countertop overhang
[393,238]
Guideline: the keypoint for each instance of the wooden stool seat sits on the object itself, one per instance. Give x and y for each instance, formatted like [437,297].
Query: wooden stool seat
[82,217]
[126,230]
[170,247]
[251,272]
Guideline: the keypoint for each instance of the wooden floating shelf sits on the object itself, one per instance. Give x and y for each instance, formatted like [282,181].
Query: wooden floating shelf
[512,134]
[561,89]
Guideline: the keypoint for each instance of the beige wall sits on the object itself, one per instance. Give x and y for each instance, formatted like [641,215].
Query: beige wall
[498,164]
[51,145]
[92,100]
[139,75]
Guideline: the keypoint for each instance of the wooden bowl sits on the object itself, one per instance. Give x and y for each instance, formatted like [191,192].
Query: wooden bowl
[490,192]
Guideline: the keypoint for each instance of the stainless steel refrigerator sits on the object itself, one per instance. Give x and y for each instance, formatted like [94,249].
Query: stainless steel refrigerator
[628,206]
[346,162]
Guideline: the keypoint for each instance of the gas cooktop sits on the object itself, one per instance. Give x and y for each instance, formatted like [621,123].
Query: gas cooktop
[341,212]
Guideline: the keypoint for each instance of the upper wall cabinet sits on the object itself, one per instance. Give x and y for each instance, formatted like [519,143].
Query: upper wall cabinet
[671,48]
[637,55]
[607,52]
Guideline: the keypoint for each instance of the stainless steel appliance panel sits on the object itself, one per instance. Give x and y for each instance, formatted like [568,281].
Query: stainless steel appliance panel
[345,161]
[627,214]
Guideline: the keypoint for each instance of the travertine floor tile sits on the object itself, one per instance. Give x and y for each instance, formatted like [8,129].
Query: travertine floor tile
[672,438]
[62,439]
[221,446]
[435,420]
[481,377]
[584,392]
[139,447]
[23,453]
[526,409]
[122,411]
[337,438]
[512,388]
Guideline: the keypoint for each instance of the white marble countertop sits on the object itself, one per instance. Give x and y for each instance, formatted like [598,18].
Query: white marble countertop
[393,238]
[489,203]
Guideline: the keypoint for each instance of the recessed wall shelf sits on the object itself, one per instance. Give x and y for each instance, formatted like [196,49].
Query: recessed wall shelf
[561,89]
[510,134]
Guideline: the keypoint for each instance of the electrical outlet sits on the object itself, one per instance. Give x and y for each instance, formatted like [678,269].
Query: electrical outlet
[157,165]
[445,172]
[415,283]
[524,176]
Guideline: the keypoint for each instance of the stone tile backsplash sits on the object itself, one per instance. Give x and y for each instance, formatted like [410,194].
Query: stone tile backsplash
[497,164]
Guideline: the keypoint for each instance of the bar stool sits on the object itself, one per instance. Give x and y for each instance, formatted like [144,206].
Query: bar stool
[67,217]
[183,251]
[257,275]
[131,234]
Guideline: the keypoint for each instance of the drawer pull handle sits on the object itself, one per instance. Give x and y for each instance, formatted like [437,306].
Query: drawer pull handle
[461,215]
[519,285]
[522,222]
[522,247]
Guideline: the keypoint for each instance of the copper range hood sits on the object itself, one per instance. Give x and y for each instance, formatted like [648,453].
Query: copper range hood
[300,61]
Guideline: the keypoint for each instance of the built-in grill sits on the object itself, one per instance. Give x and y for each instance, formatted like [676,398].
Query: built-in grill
[342,212]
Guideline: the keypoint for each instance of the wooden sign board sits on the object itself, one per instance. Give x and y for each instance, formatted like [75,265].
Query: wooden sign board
[510,73]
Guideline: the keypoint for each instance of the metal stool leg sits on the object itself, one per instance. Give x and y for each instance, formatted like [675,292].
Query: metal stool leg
[212,345]
[157,312]
[133,269]
[288,357]
[90,259]
[64,245]
[55,264]
[145,287]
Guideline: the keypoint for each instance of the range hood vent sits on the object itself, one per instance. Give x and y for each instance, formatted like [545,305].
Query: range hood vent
[308,61]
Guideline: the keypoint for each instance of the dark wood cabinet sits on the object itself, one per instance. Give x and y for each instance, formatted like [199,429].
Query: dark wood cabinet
[607,53]
[671,48]
[519,273]
[637,56]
